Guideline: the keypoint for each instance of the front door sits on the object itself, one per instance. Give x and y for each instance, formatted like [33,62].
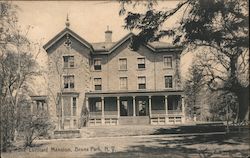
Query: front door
[142,108]
[124,108]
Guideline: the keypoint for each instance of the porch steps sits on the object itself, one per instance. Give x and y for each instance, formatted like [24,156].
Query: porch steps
[130,120]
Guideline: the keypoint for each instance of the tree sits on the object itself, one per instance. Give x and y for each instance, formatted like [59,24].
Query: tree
[220,27]
[222,107]
[17,68]
[193,88]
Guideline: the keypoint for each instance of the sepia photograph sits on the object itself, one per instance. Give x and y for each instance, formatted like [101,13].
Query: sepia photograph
[124,79]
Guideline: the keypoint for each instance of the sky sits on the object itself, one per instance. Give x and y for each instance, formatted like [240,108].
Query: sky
[89,19]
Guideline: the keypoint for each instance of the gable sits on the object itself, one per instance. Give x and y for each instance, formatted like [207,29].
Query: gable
[62,34]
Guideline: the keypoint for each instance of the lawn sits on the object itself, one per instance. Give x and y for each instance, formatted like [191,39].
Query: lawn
[137,130]
[182,145]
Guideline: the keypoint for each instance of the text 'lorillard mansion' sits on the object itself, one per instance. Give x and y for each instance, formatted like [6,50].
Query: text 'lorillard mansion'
[109,83]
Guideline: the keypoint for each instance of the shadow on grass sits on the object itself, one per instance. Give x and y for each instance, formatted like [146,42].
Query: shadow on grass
[187,146]
[191,129]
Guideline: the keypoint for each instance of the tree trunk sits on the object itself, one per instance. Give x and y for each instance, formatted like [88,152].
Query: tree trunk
[241,92]
[243,100]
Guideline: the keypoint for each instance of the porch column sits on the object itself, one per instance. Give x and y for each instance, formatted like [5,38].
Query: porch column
[134,106]
[166,109]
[62,115]
[118,106]
[183,109]
[102,110]
[87,107]
[31,107]
[149,105]
[47,107]
[166,104]
[87,103]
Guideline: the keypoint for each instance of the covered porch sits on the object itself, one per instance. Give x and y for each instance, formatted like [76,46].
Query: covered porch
[163,107]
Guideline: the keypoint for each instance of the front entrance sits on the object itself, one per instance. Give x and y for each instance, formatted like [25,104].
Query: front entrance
[126,106]
[142,106]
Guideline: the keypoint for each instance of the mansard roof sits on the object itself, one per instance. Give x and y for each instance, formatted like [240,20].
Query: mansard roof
[109,47]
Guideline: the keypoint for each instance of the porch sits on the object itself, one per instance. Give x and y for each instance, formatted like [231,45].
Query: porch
[135,108]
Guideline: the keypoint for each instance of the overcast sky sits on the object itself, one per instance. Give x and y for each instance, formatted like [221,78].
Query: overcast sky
[89,19]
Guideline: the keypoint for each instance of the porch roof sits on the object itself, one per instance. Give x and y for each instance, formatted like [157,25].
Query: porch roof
[39,97]
[133,93]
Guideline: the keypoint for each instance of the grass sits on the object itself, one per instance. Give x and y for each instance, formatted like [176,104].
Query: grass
[136,130]
[161,143]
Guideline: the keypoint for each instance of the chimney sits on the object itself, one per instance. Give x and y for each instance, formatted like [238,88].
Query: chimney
[108,35]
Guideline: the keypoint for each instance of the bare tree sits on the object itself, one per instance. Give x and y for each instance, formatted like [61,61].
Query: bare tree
[17,68]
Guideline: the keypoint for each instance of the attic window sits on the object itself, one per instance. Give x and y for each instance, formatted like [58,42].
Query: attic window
[68,41]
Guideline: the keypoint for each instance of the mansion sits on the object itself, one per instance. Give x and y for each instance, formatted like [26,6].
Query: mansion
[109,83]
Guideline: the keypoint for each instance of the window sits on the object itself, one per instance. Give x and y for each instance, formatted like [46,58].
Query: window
[98,83]
[142,82]
[141,63]
[168,82]
[123,83]
[123,64]
[69,82]
[74,106]
[168,62]
[97,64]
[68,61]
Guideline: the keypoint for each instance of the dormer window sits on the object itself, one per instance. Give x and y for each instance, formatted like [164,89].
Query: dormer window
[97,64]
[68,61]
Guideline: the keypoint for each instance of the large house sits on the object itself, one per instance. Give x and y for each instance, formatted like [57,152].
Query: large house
[110,83]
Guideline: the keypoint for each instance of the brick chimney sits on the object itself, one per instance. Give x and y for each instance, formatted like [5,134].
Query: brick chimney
[108,35]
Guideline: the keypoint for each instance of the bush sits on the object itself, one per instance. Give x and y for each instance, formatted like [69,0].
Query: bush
[34,126]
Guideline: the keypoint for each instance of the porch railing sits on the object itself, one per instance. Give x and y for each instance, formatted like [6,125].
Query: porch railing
[174,112]
[106,113]
[114,113]
[158,111]
[99,113]
[110,113]
[171,112]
